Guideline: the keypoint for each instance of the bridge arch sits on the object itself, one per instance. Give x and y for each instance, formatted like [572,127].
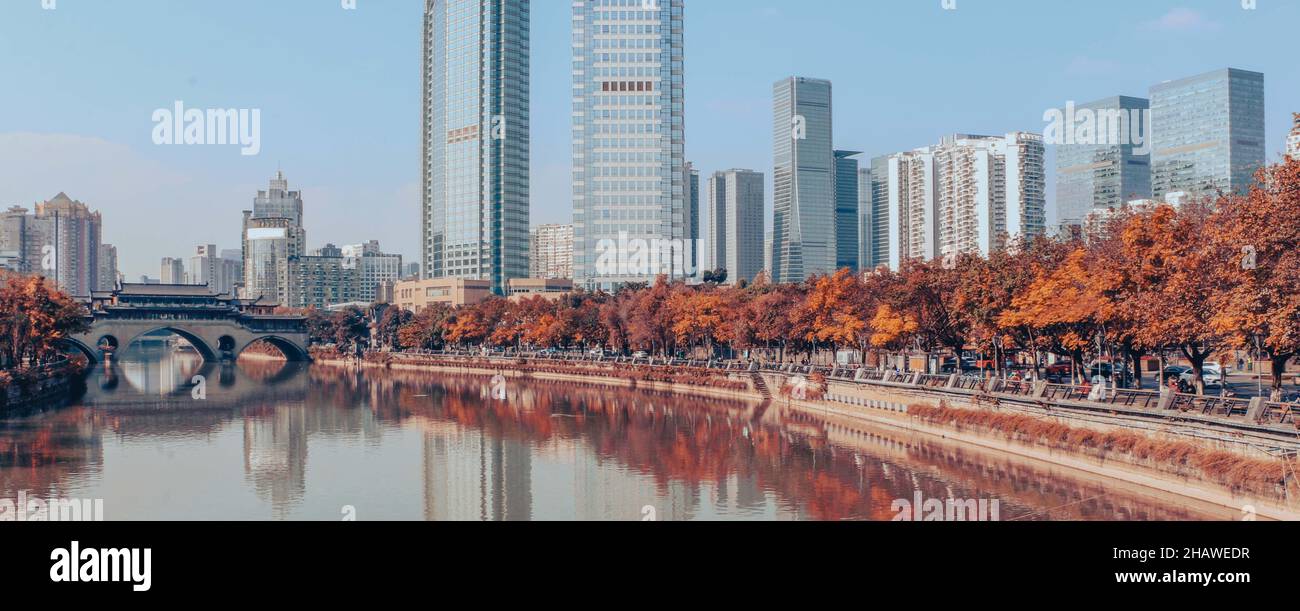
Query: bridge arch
[293,352]
[92,354]
[194,339]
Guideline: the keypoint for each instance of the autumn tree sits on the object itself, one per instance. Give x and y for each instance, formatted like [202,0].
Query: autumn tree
[1059,308]
[1256,301]
[833,312]
[424,329]
[34,320]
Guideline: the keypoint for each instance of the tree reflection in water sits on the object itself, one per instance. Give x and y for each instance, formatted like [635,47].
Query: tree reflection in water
[306,440]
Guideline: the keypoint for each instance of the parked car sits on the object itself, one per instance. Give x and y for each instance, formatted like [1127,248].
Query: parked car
[1176,372]
[640,354]
[1116,374]
[596,352]
[1211,375]
[1059,373]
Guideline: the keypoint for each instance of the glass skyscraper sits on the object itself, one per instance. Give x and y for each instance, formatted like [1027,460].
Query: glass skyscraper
[878,238]
[864,219]
[803,180]
[1111,169]
[846,210]
[476,140]
[631,186]
[1208,133]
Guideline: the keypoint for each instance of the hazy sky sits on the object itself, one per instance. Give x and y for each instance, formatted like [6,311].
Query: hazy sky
[339,94]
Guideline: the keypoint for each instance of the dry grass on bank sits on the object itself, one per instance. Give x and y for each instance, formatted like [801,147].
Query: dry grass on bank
[1182,457]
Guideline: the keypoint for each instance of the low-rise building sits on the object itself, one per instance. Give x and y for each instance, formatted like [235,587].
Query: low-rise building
[550,288]
[416,295]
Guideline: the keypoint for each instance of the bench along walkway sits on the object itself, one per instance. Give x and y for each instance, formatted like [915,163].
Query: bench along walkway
[1256,415]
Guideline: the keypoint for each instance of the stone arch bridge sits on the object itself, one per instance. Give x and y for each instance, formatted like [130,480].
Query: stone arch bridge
[220,327]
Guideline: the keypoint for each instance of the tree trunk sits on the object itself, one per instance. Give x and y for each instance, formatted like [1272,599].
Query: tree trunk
[1197,359]
[1136,357]
[1278,362]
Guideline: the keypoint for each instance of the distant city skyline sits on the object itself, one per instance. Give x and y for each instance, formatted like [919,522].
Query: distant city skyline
[356,147]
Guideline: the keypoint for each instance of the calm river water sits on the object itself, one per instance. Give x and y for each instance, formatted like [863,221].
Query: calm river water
[273,441]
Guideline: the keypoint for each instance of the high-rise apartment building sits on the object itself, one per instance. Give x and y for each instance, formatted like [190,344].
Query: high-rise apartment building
[1293,141]
[60,241]
[913,218]
[846,210]
[630,181]
[320,281]
[208,268]
[476,140]
[733,221]
[804,241]
[967,195]
[1105,158]
[1208,133]
[552,252]
[173,271]
[108,274]
[374,268]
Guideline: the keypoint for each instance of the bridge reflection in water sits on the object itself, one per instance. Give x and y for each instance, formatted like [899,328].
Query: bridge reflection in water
[285,441]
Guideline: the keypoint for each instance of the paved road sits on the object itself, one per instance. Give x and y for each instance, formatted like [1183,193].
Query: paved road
[1244,384]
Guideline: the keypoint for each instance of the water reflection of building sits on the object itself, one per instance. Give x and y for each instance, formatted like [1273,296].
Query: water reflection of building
[275,456]
[154,368]
[606,490]
[470,476]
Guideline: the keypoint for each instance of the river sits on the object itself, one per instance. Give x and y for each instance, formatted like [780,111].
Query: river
[161,436]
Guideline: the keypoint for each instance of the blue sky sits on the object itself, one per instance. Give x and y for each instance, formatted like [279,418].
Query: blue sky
[339,94]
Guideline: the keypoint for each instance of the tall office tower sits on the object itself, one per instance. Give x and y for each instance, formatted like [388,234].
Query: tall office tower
[1208,133]
[846,210]
[208,268]
[713,229]
[476,140]
[693,220]
[804,180]
[272,232]
[108,274]
[1293,141]
[173,271]
[1112,165]
[878,238]
[734,218]
[630,182]
[60,241]
[552,252]
[373,266]
[769,239]
[865,260]
[278,201]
